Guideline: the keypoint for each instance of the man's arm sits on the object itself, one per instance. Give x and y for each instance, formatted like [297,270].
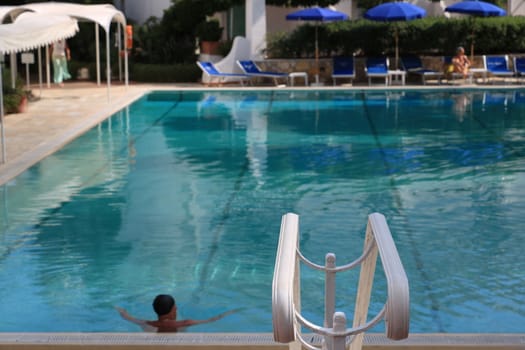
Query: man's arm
[142,323]
[215,318]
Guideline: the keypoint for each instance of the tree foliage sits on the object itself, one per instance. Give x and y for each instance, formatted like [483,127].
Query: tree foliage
[428,36]
[172,38]
[22,2]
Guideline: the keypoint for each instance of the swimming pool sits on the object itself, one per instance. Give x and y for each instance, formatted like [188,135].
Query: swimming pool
[183,192]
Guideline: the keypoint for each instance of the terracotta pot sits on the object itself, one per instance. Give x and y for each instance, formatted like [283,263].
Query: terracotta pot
[210,47]
[22,107]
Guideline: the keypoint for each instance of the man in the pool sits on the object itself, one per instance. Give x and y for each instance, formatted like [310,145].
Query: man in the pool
[166,309]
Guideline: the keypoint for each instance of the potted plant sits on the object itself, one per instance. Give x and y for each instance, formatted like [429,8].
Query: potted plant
[209,34]
[15,99]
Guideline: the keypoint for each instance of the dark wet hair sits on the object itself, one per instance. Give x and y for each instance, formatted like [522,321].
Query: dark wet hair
[163,303]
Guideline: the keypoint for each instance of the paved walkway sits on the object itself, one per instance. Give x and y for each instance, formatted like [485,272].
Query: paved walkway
[57,117]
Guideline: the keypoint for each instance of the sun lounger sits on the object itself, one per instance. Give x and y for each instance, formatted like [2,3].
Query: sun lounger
[251,69]
[210,69]
[498,66]
[343,67]
[376,67]
[519,67]
[413,65]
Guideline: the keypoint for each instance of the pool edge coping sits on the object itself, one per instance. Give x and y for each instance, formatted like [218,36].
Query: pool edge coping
[251,340]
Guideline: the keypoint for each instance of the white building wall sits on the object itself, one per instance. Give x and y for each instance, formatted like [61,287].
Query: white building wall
[516,7]
[256,27]
[436,8]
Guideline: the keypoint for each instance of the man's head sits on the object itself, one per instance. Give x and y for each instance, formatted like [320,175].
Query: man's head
[460,50]
[163,304]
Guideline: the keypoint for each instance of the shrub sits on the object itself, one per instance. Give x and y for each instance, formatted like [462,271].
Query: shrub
[209,30]
[225,47]
[157,73]
[427,36]
[12,96]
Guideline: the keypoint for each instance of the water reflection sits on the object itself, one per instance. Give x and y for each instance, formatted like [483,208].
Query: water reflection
[497,99]
[185,196]
[462,105]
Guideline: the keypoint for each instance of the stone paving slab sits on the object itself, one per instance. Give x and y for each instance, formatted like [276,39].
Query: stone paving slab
[58,116]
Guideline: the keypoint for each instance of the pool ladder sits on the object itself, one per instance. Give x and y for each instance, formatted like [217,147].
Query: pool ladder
[286,294]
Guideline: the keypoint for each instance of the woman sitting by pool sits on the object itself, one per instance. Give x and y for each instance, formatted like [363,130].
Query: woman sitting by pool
[461,62]
[166,310]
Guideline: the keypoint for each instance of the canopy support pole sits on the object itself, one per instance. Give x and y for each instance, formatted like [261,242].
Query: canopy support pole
[48,68]
[2,115]
[14,70]
[97,53]
[40,70]
[119,48]
[108,67]
[126,68]
[28,83]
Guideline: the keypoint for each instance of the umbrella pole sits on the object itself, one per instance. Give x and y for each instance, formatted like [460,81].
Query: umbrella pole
[396,40]
[316,57]
[472,24]
[472,47]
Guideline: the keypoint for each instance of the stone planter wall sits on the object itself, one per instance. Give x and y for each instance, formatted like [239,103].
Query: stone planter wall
[325,67]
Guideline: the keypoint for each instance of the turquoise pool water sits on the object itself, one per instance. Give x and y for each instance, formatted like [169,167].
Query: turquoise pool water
[183,193]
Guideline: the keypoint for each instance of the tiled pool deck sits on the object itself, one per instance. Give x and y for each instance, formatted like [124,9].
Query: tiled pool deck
[62,114]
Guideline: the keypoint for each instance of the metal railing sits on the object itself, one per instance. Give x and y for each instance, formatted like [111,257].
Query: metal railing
[286,295]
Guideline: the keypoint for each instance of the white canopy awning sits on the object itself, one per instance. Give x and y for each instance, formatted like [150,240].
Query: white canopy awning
[39,24]
[31,30]
[9,13]
[100,14]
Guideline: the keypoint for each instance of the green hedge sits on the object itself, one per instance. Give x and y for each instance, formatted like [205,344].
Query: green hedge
[427,36]
[158,73]
[142,72]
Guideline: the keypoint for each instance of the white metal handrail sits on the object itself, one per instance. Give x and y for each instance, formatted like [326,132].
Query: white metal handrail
[286,300]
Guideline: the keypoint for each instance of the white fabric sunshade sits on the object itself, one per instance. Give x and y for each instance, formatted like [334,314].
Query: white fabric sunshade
[101,14]
[32,30]
[9,13]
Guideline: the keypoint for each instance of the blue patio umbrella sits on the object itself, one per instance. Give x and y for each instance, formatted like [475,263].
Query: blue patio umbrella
[476,8]
[393,12]
[317,14]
